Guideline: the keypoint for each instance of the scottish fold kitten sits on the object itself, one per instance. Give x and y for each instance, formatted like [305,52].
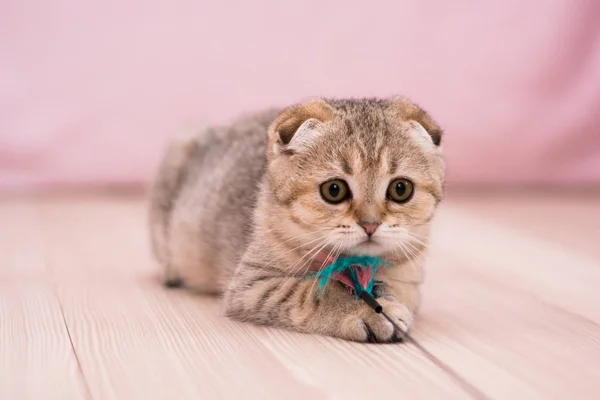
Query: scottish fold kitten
[252,209]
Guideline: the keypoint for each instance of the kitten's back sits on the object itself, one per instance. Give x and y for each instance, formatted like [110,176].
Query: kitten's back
[202,201]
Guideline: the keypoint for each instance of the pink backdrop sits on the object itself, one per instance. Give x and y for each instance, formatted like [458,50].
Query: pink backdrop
[90,91]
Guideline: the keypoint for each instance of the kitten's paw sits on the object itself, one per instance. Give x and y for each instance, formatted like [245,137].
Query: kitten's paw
[400,314]
[365,325]
[173,283]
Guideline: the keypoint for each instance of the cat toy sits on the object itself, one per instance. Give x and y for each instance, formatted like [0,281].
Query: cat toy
[357,274]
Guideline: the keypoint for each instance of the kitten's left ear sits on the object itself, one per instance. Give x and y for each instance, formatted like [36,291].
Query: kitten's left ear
[409,111]
[298,126]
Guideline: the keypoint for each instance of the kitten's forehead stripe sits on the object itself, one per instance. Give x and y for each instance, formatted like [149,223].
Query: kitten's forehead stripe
[358,163]
[349,129]
[346,167]
[392,166]
[384,162]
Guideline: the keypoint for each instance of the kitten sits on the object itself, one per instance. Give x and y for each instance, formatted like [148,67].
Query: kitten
[252,209]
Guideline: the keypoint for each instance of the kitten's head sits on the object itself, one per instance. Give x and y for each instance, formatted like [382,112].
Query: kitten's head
[356,177]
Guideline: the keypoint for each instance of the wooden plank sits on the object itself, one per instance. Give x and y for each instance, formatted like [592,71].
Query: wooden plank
[128,331]
[355,371]
[565,219]
[555,274]
[37,360]
[515,315]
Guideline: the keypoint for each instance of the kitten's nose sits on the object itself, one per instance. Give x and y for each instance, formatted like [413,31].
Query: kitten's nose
[369,226]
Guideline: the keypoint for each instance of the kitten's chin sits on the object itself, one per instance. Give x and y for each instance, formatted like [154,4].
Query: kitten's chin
[368,248]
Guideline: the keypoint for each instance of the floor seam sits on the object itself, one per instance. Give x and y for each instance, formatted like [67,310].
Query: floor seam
[51,278]
[462,382]
[79,367]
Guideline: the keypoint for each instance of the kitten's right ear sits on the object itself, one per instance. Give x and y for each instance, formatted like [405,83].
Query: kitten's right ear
[407,110]
[298,127]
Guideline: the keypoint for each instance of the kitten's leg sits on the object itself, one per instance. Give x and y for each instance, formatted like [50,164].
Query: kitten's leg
[170,177]
[270,298]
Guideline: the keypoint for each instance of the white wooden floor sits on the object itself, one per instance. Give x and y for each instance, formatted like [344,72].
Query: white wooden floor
[511,311]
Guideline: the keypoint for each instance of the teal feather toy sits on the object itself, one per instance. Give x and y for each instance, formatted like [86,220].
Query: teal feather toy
[357,273]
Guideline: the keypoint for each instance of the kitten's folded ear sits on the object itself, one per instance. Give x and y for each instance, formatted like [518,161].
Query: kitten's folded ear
[409,111]
[297,127]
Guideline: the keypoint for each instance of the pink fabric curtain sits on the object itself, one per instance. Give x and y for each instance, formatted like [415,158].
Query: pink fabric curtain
[90,91]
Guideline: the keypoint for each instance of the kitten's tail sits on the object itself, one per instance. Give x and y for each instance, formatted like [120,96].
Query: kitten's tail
[171,175]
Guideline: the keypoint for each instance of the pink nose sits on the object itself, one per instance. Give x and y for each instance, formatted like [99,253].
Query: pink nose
[369,227]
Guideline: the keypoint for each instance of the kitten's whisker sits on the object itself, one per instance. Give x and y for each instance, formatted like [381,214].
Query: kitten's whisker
[396,253]
[296,248]
[336,251]
[310,259]
[404,256]
[291,269]
[313,253]
[321,267]
[417,250]
[314,250]
[412,251]
[413,257]
[417,240]
[299,236]
[401,247]
[416,235]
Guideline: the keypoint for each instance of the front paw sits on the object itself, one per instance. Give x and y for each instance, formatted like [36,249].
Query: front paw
[365,325]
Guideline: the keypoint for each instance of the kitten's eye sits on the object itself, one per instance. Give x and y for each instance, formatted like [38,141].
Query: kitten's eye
[334,191]
[400,190]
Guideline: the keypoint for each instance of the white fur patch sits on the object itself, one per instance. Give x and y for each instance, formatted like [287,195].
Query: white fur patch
[305,135]
[419,133]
